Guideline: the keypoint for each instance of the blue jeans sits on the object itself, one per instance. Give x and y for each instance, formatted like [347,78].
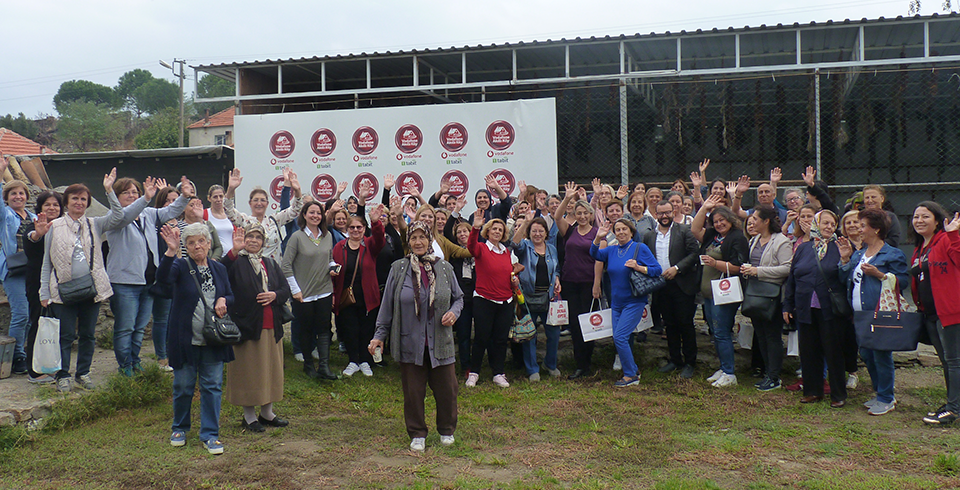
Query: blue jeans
[529,348]
[210,374]
[880,366]
[132,306]
[16,289]
[79,318]
[625,320]
[463,330]
[721,318]
[161,315]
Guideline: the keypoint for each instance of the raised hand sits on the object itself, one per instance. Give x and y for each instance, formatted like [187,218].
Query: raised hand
[845,249]
[3,165]
[286,176]
[570,188]
[596,184]
[604,229]
[461,202]
[712,201]
[775,176]
[341,187]
[186,187]
[413,191]
[743,184]
[581,194]
[336,206]
[809,176]
[522,188]
[365,189]
[160,183]
[388,181]
[704,164]
[171,236]
[696,180]
[492,182]
[953,225]
[294,182]
[149,187]
[234,180]
[445,186]
[238,239]
[41,226]
[376,213]
[394,200]
[478,218]
[623,192]
[109,179]
[732,189]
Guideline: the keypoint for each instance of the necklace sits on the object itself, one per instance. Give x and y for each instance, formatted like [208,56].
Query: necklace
[622,250]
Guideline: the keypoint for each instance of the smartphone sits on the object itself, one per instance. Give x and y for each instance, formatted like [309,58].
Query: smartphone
[335,268]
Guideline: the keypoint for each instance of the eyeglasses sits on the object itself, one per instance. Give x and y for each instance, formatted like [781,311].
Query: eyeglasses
[260,200]
[795,198]
[666,213]
[355,227]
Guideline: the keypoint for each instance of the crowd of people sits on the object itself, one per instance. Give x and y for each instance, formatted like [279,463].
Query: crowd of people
[427,282]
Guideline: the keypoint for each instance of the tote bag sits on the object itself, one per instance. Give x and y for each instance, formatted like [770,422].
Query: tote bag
[890,326]
[726,290]
[557,314]
[596,325]
[46,350]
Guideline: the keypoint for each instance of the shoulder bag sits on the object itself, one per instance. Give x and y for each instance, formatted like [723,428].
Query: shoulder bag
[523,328]
[81,288]
[346,297]
[761,300]
[217,331]
[838,301]
[642,284]
[888,330]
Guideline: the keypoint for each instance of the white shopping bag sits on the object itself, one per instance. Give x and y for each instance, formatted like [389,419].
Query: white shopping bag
[596,325]
[557,314]
[726,290]
[646,321]
[745,335]
[793,344]
[46,350]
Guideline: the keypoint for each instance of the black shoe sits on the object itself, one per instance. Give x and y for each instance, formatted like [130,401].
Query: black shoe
[686,372]
[668,368]
[253,426]
[758,373]
[761,382]
[943,408]
[20,366]
[309,369]
[579,373]
[276,422]
[769,385]
[943,418]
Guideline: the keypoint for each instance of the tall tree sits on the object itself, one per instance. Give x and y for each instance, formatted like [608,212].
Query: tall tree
[20,125]
[161,131]
[214,86]
[156,95]
[85,90]
[86,126]
[128,84]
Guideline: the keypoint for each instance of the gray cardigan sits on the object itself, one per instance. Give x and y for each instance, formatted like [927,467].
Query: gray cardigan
[406,331]
[776,258]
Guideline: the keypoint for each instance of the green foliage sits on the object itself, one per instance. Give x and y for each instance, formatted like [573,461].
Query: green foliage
[87,126]
[214,86]
[85,90]
[20,125]
[161,131]
[156,95]
[128,84]
[946,465]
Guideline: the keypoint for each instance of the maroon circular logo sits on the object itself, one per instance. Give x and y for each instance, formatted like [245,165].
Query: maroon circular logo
[505,178]
[500,135]
[406,180]
[453,136]
[282,144]
[323,142]
[276,187]
[408,138]
[368,178]
[365,140]
[459,185]
[324,187]
[724,285]
[596,320]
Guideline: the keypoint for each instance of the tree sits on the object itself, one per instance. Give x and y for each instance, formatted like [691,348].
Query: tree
[128,84]
[20,125]
[85,90]
[156,95]
[161,131]
[214,86]
[86,126]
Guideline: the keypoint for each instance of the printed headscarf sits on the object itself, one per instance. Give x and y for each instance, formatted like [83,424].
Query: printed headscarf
[426,261]
[820,242]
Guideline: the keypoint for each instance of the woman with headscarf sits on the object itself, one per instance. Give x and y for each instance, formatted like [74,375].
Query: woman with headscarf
[260,291]
[418,314]
[807,300]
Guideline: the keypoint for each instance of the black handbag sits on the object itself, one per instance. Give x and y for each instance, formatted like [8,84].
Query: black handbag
[17,264]
[642,284]
[838,301]
[761,300]
[537,301]
[888,330]
[217,331]
[79,289]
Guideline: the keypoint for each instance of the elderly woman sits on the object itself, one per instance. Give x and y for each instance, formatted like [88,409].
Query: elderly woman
[132,263]
[418,314]
[259,291]
[73,265]
[259,202]
[191,357]
[16,218]
[862,271]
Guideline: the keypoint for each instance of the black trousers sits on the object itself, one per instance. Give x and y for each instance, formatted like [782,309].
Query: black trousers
[358,327]
[578,296]
[33,299]
[769,334]
[819,342]
[491,325]
[848,344]
[677,310]
[314,322]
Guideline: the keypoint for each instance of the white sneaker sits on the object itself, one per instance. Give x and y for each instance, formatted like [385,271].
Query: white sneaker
[447,440]
[418,444]
[351,369]
[365,369]
[472,380]
[852,381]
[86,382]
[298,357]
[316,354]
[725,381]
[616,363]
[534,377]
[501,381]
[715,376]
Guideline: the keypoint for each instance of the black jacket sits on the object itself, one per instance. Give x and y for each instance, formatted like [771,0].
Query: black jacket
[684,253]
[734,249]
[246,312]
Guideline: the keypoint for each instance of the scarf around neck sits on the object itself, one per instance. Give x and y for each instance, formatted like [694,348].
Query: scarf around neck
[820,243]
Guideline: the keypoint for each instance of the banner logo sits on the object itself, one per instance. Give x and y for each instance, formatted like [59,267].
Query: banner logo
[369,178]
[276,187]
[459,185]
[406,180]
[282,144]
[408,138]
[323,142]
[505,179]
[324,187]
[500,135]
[453,137]
[365,140]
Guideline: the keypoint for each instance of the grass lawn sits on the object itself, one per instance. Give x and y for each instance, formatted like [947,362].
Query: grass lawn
[666,433]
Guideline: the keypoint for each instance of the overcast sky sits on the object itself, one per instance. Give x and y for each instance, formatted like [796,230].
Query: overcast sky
[51,41]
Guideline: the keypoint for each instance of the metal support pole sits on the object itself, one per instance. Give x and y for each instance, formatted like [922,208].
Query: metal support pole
[624,140]
[817,135]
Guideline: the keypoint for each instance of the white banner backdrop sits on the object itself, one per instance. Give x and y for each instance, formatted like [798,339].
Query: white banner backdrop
[419,145]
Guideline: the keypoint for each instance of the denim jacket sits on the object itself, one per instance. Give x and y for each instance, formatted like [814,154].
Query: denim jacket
[888,260]
[8,233]
[528,258]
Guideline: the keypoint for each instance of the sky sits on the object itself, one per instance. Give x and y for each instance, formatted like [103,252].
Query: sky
[49,42]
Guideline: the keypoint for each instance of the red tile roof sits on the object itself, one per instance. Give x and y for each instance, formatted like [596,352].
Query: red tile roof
[14,144]
[222,118]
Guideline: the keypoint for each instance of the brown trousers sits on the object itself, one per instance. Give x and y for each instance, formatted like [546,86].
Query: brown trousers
[443,382]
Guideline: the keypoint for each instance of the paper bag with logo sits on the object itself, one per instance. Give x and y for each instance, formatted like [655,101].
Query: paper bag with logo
[46,351]
[557,314]
[646,321]
[745,335]
[793,344]
[726,290]
[596,325]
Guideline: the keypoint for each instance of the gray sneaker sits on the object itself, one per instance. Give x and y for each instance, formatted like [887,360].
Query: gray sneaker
[63,385]
[86,382]
[880,408]
[555,373]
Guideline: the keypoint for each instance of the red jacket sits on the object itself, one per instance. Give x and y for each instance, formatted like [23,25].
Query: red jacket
[944,261]
[492,270]
[369,249]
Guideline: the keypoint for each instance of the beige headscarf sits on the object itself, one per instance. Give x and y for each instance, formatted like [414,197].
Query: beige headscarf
[256,259]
